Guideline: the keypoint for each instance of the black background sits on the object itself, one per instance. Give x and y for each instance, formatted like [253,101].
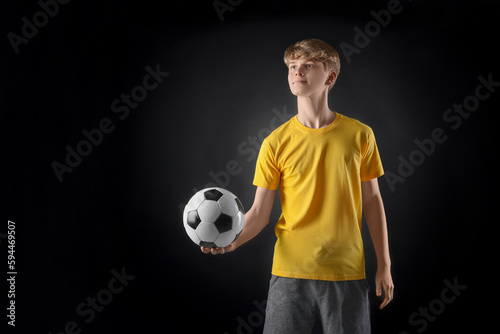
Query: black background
[119,208]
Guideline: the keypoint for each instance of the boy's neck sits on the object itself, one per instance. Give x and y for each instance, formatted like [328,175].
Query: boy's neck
[313,111]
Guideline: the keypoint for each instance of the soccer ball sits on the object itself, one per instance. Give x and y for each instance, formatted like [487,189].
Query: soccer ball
[213,217]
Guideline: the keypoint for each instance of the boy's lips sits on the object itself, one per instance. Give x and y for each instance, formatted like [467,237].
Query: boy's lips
[299,81]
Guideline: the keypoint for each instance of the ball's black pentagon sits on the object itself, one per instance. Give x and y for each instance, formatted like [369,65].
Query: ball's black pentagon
[193,220]
[224,223]
[240,206]
[213,194]
[208,244]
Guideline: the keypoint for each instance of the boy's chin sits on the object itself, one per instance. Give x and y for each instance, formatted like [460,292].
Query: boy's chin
[298,92]
[305,92]
[301,94]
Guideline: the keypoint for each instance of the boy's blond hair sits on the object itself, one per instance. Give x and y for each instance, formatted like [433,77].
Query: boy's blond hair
[314,49]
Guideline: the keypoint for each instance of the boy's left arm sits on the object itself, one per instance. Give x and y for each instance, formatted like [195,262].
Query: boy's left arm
[373,208]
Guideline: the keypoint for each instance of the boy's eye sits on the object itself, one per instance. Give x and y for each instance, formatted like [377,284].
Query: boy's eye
[293,67]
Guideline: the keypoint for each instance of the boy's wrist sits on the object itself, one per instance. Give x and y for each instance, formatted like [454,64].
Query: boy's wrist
[235,244]
[384,264]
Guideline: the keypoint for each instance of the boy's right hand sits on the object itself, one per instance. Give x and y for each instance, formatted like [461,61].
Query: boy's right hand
[220,250]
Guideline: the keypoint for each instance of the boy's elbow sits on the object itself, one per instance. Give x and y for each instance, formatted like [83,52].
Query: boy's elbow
[372,202]
[262,216]
[258,215]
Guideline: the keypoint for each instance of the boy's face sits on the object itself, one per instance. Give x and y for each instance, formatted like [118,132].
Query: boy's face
[308,77]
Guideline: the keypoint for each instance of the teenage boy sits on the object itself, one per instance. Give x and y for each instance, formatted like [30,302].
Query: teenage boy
[326,166]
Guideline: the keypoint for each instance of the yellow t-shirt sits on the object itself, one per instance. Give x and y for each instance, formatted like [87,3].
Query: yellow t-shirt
[319,172]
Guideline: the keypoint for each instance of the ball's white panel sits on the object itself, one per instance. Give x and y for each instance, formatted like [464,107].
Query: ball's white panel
[209,211]
[225,239]
[196,200]
[192,234]
[207,232]
[238,222]
[228,205]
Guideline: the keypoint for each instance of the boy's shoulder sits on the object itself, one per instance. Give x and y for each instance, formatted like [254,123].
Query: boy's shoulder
[287,126]
[281,131]
[355,125]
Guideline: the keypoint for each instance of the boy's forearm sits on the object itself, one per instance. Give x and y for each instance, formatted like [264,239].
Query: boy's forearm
[376,221]
[254,223]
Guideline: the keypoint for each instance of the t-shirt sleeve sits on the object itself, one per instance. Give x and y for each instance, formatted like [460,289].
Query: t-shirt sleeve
[371,165]
[267,174]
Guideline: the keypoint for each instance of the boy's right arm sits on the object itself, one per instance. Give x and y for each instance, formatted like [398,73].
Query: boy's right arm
[255,220]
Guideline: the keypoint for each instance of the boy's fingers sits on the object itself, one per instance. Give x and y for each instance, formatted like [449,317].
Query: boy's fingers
[388,291]
[209,250]
[213,250]
[216,251]
[384,303]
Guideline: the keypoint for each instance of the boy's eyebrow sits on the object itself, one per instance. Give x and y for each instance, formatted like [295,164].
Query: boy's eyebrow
[305,60]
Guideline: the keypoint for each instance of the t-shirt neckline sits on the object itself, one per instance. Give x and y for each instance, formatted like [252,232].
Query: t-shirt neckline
[324,129]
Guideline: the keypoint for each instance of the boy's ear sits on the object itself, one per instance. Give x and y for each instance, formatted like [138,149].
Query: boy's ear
[331,78]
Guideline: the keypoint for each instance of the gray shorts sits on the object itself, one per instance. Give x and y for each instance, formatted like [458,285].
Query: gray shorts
[293,305]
